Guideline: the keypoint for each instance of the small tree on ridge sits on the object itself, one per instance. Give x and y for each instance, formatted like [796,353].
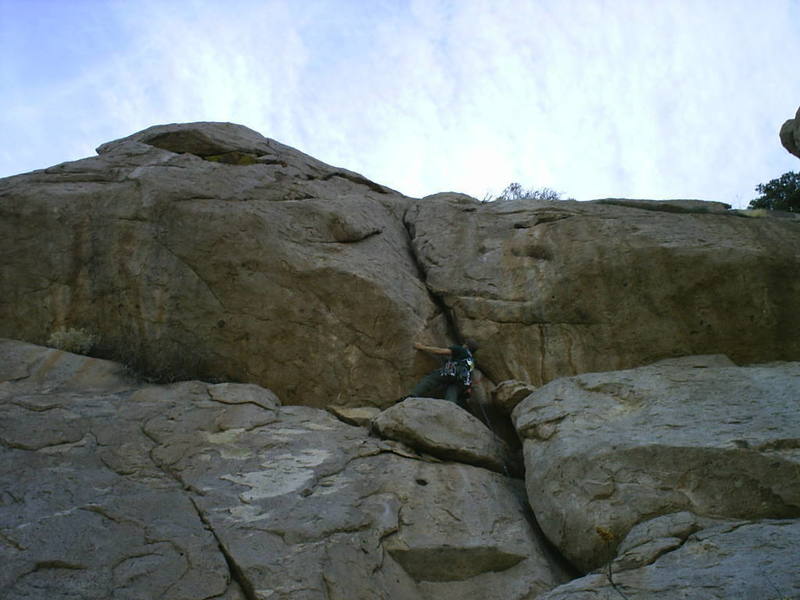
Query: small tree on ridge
[515,191]
[782,193]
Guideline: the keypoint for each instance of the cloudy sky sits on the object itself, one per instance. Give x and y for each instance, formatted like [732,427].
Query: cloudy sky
[594,98]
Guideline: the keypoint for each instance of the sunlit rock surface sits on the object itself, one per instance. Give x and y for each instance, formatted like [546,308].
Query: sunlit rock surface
[560,288]
[205,250]
[279,270]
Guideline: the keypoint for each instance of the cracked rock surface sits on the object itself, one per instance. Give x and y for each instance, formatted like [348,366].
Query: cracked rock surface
[278,270]
[699,558]
[84,512]
[111,488]
[606,451]
[561,288]
[206,250]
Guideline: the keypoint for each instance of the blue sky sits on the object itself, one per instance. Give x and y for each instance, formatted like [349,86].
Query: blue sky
[594,98]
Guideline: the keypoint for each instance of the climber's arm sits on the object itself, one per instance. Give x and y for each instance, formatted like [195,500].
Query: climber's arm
[433,349]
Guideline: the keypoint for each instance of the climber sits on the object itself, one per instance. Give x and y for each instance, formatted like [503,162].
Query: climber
[452,381]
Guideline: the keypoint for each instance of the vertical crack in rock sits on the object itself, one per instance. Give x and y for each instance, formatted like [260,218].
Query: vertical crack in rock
[453,330]
[237,574]
[438,301]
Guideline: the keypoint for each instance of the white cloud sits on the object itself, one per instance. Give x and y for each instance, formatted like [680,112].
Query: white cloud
[593,98]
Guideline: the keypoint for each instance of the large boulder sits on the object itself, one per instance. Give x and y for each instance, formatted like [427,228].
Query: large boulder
[790,134]
[734,559]
[560,288]
[444,430]
[206,250]
[217,491]
[605,451]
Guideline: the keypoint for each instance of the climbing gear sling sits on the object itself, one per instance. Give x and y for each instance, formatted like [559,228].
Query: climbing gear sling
[459,371]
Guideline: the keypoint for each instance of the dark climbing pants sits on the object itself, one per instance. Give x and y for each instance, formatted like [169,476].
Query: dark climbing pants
[433,385]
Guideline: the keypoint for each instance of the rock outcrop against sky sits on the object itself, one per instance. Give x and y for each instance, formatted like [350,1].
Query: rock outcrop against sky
[207,250]
[790,134]
[648,353]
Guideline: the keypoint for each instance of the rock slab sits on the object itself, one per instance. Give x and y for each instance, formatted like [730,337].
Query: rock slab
[203,491]
[84,513]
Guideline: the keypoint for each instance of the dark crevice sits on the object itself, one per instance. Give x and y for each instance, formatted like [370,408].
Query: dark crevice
[477,404]
[273,162]
[350,237]
[438,301]
[519,469]
[12,445]
[233,158]
[453,329]
[58,564]
[666,206]
[552,552]
[12,542]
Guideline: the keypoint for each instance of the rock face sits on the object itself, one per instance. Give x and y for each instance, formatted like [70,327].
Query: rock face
[790,134]
[112,488]
[84,512]
[723,561]
[443,430]
[559,288]
[207,250]
[606,451]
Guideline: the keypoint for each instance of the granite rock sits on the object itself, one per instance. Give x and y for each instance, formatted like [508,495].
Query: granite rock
[552,289]
[444,430]
[606,451]
[203,491]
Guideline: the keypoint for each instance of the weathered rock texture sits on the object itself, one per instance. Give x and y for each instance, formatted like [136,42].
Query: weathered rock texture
[790,134]
[84,511]
[444,430]
[509,393]
[606,451]
[199,491]
[559,288]
[720,562]
[207,250]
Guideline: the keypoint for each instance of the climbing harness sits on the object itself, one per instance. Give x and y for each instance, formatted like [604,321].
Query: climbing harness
[459,371]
